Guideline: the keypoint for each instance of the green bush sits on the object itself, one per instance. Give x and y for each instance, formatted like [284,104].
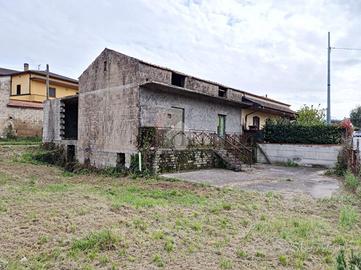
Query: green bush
[277,131]
[351,263]
[348,217]
[351,181]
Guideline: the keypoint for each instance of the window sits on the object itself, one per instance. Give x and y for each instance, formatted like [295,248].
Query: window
[221,125]
[256,122]
[18,89]
[69,119]
[52,92]
[105,65]
[178,80]
[222,91]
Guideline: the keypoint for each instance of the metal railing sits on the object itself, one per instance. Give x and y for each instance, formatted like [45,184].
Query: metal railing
[165,138]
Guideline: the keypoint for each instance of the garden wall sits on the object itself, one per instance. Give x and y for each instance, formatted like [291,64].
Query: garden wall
[170,160]
[324,155]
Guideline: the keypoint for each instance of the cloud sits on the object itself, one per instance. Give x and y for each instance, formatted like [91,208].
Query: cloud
[267,47]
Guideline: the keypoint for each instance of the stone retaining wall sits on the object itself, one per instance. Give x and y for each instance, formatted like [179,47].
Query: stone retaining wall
[169,160]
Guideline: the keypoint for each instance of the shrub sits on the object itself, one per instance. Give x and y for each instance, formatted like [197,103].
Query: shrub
[348,216]
[351,263]
[351,181]
[277,131]
[102,240]
[283,260]
[342,162]
[158,261]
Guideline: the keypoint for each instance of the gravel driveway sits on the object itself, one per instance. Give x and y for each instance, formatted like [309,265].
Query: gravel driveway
[261,177]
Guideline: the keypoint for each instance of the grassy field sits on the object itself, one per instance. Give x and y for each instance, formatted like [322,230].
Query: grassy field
[51,219]
[21,141]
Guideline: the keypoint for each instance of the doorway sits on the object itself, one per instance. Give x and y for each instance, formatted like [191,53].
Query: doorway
[175,123]
[221,125]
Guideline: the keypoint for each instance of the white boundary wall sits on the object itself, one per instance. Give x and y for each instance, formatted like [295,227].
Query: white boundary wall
[302,154]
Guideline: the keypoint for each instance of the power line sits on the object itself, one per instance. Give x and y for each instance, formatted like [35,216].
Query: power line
[347,49]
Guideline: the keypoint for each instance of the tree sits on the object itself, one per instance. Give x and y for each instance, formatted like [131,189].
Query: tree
[355,116]
[311,116]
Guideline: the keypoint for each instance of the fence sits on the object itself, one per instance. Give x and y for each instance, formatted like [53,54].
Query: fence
[167,138]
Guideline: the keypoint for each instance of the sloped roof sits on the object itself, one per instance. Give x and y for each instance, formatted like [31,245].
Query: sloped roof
[25,104]
[269,105]
[200,79]
[7,72]
[181,90]
[53,75]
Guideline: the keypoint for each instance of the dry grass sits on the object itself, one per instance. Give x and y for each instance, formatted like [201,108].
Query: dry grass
[53,220]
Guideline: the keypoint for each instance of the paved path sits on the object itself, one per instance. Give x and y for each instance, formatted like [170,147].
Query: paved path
[267,178]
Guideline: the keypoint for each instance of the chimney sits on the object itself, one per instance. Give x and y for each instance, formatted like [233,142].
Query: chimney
[26,66]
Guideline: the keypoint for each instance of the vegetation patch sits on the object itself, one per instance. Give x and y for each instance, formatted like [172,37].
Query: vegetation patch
[96,241]
[20,141]
[142,197]
[52,220]
[351,181]
[348,216]
[282,131]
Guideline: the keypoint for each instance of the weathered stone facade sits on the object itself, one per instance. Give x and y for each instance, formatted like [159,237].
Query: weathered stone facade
[170,160]
[52,122]
[199,113]
[19,121]
[119,94]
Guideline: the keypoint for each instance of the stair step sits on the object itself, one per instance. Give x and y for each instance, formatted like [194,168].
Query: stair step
[232,162]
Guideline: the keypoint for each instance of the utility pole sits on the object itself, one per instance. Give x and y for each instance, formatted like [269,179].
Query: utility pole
[47,81]
[329,81]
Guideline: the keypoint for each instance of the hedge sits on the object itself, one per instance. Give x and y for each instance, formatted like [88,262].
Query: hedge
[275,132]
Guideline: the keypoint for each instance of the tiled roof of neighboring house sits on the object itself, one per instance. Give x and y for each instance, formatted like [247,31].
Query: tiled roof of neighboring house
[53,75]
[7,72]
[269,105]
[25,104]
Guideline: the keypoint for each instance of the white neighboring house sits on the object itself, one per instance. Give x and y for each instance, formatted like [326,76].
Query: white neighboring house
[356,140]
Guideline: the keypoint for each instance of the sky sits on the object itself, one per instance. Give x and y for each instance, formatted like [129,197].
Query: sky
[272,47]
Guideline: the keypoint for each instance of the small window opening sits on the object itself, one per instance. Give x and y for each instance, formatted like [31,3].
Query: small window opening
[256,122]
[18,89]
[222,91]
[105,65]
[178,80]
[70,119]
[52,92]
[120,160]
[169,115]
[70,153]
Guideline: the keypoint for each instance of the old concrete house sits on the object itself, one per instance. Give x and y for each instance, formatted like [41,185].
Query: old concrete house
[21,99]
[126,105]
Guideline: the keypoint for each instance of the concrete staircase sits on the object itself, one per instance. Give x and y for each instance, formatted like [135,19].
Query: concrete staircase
[232,162]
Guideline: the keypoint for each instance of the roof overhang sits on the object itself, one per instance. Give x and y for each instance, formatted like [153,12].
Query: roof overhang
[270,107]
[158,86]
[25,104]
